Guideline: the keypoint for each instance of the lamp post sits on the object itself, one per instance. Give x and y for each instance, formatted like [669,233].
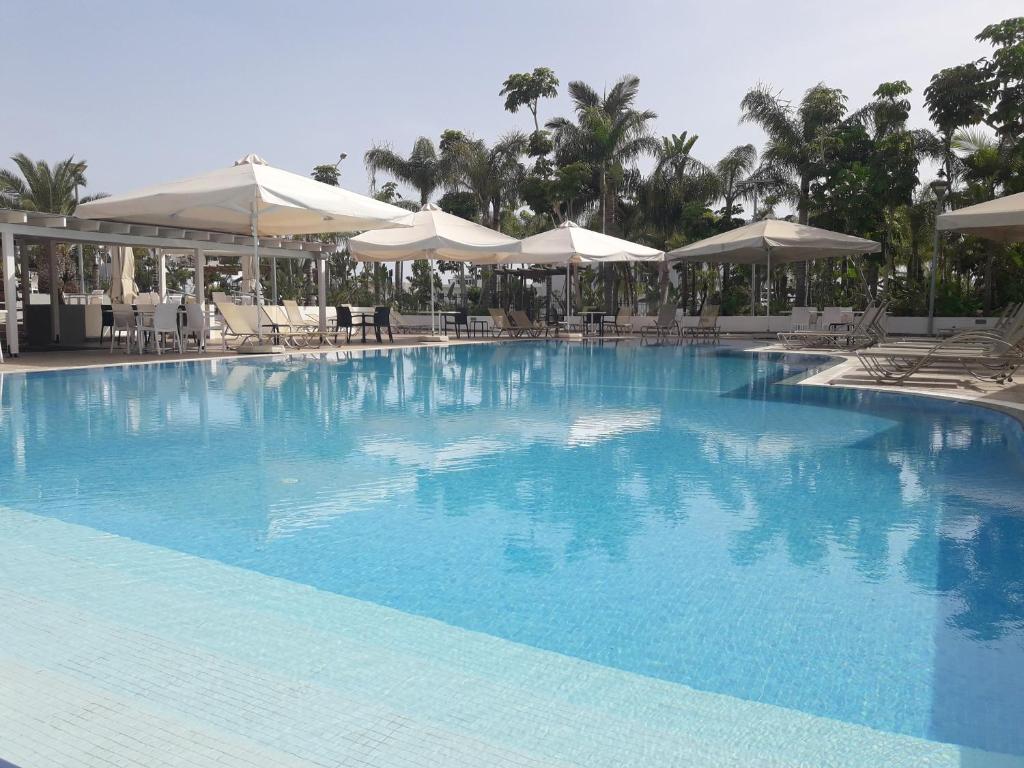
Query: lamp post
[939,187]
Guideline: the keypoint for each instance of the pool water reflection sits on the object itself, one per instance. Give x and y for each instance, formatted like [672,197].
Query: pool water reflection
[671,511]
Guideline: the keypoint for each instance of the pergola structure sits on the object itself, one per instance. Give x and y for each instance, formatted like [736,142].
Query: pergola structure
[27,227]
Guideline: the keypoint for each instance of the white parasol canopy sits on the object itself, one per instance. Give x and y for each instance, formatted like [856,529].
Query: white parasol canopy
[999,219]
[224,200]
[773,240]
[434,234]
[570,243]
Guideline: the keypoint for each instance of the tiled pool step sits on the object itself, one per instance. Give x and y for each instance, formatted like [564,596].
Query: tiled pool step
[100,634]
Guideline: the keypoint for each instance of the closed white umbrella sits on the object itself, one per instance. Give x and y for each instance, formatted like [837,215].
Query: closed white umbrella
[570,244]
[122,275]
[252,198]
[434,235]
[773,241]
[999,219]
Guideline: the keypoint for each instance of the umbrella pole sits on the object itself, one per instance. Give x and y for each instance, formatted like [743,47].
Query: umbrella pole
[254,218]
[768,305]
[273,278]
[430,277]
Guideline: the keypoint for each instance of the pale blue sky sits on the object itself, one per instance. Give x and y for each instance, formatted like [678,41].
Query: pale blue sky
[153,91]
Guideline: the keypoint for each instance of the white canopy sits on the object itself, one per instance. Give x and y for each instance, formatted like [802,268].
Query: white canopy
[570,243]
[224,200]
[434,234]
[999,219]
[776,241]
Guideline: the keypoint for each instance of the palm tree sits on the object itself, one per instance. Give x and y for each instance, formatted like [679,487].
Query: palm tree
[796,140]
[734,172]
[609,135]
[42,187]
[493,174]
[425,170]
[45,188]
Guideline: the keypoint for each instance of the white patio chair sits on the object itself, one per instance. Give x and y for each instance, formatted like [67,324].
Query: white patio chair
[195,325]
[165,321]
[124,321]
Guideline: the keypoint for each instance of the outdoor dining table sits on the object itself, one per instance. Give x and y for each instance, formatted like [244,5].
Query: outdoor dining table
[362,322]
[479,326]
[590,319]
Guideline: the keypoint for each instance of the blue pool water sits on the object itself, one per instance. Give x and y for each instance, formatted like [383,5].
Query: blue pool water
[676,511]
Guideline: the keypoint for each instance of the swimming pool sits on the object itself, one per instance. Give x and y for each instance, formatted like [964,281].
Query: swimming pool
[677,512]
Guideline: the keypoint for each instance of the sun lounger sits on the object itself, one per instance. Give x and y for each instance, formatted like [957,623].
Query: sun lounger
[664,324]
[624,320]
[707,324]
[502,324]
[524,324]
[868,330]
[982,356]
[237,322]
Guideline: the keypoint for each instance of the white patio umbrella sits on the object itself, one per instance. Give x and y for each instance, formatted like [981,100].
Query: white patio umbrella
[434,235]
[570,244]
[250,198]
[773,241]
[122,275]
[999,219]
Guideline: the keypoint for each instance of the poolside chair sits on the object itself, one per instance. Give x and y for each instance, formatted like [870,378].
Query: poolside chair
[524,325]
[160,323]
[237,323]
[833,317]
[707,324]
[382,322]
[982,355]
[123,321]
[866,331]
[343,323]
[195,325]
[801,318]
[276,319]
[458,319]
[624,320]
[502,324]
[664,324]
[296,319]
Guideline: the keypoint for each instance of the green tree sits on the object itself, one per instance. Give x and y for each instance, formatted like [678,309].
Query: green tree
[42,187]
[609,135]
[526,89]
[424,169]
[796,141]
[956,97]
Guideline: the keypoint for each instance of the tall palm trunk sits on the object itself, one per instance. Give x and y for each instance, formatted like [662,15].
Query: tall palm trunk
[800,267]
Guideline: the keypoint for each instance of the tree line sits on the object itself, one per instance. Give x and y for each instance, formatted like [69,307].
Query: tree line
[857,170]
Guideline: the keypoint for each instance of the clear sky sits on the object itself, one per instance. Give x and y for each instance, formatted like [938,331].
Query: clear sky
[153,91]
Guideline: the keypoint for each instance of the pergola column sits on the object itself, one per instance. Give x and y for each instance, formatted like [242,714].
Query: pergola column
[161,272]
[199,281]
[321,290]
[10,290]
[51,254]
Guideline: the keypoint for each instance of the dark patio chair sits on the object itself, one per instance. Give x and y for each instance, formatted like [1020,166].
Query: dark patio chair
[107,312]
[459,319]
[343,323]
[381,321]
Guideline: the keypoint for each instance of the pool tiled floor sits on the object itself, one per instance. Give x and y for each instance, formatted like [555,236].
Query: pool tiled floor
[117,653]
